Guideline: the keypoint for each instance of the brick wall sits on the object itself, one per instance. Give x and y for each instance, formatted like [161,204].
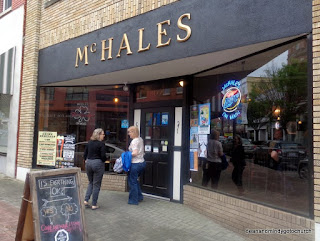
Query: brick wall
[316,105]
[110,181]
[17,3]
[63,20]
[239,215]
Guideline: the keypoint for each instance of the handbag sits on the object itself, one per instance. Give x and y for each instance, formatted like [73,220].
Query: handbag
[118,165]
[224,162]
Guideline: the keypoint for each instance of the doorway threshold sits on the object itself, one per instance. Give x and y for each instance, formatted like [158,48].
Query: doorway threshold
[155,197]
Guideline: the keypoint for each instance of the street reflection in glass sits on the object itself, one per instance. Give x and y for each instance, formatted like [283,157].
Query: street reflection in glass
[269,162]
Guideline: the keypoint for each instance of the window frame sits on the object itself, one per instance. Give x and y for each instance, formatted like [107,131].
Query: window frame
[5,5]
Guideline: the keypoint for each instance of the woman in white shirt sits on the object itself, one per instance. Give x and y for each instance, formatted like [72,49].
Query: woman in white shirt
[137,165]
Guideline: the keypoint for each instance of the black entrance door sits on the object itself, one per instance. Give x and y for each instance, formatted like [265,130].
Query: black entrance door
[157,131]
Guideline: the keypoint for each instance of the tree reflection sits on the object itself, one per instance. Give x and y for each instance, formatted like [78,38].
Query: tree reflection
[279,96]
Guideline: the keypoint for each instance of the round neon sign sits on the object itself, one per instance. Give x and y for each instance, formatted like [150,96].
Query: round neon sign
[231,99]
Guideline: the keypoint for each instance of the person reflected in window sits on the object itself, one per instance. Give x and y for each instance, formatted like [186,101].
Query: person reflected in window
[212,165]
[239,163]
[95,156]
[138,165]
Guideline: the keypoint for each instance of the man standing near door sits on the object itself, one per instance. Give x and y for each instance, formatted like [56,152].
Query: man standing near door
[138,165]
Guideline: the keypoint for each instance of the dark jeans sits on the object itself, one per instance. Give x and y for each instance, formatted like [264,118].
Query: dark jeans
[237,175]
[211,170]
[135,194]
[95,170]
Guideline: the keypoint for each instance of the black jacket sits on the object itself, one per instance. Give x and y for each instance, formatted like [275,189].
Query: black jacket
[95,150]
[238,157]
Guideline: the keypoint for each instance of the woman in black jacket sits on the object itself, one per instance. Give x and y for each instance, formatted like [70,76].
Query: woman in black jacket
[239,163]
[95,157]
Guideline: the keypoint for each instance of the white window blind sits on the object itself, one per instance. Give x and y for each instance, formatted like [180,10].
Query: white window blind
[7,71]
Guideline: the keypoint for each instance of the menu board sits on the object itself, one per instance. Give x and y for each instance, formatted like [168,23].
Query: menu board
[47,143]
[57,209]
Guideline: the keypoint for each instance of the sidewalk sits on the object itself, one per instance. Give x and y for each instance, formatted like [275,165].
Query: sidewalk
[152,219]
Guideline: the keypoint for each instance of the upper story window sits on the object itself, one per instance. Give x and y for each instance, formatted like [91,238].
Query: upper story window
[7,4]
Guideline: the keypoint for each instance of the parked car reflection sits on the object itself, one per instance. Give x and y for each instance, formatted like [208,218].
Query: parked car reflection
[286,155]
[303,169]
[112,152]
[249,148]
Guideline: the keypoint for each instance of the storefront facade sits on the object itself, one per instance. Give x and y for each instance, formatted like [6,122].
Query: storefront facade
[180,70]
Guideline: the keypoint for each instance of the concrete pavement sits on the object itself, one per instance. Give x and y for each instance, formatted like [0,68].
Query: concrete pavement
[152,219]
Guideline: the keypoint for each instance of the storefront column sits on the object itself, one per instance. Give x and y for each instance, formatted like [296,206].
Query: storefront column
[177,154]
[28,89]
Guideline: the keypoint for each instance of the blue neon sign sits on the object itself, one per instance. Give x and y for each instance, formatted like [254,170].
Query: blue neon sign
[231,99]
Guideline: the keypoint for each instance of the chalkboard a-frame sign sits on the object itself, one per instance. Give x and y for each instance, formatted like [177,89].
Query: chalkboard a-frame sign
[51,207]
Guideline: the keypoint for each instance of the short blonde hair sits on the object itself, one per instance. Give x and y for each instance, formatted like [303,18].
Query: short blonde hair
[96,134]
[135,130]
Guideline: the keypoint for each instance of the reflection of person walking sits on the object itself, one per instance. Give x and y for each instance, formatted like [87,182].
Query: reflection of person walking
[95,156]
[212,168]
[239,163]
[137,165]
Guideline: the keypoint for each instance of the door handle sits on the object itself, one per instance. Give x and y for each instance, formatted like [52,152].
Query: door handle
[178,125]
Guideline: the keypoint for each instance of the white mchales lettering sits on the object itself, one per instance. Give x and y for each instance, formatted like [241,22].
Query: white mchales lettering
[141,49]
[184,27]
[93,48]
[162,32]
[125,44]
[104,48]
[80,55]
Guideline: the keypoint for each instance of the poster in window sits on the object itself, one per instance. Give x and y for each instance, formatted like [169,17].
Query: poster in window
[194,116]
[204,119]
[147,148]
[194,143]
[47,144]
[165,118]
[193,160]
[124,124]
[60,144]
[156,119]
[203,144]
[69,147]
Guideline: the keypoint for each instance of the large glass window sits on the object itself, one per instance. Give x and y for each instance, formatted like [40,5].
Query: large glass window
[72,113]
[262,100]
[4,121]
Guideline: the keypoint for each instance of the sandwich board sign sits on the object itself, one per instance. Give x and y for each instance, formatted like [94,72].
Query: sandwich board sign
[51,207]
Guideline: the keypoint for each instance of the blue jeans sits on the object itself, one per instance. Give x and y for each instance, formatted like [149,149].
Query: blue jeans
[135,194]
[95,170]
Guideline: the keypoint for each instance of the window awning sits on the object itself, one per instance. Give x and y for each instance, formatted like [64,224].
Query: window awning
[7,71]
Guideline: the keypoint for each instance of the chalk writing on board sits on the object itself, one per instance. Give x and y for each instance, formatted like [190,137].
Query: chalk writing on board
[68,209]
[57,187]
[59,208]
[49,212]
[71,226]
